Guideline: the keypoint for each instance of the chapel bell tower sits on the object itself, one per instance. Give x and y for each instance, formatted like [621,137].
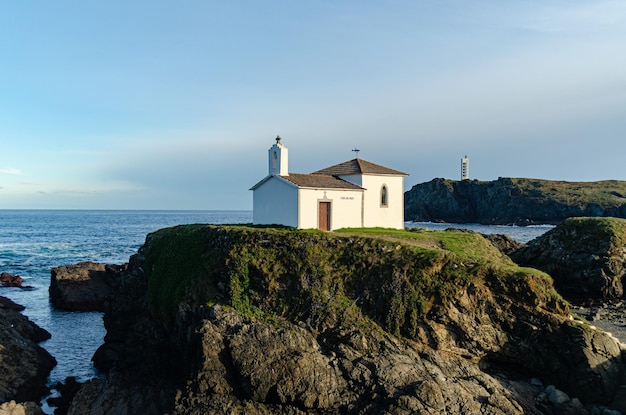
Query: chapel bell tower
[278,159]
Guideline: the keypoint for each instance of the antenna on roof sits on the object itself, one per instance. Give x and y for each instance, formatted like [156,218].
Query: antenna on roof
[356,151]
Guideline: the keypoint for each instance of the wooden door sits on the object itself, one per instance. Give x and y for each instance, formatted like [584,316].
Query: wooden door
[324,216]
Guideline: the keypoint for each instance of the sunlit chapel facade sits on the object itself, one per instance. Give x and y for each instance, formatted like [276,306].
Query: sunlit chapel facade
[352,194]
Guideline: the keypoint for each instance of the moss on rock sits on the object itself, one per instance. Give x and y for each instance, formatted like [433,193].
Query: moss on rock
[585,256]
[390,278]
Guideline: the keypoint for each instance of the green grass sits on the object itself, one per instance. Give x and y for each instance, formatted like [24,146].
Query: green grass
[467,246]
[591,235]
[604,193]
[603,227]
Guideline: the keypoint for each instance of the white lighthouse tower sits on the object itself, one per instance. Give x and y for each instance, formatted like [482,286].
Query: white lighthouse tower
[465,168]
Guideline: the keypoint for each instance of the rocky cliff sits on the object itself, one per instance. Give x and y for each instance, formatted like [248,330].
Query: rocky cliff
[585,256]
[210,319]
[82,287]
[513,201]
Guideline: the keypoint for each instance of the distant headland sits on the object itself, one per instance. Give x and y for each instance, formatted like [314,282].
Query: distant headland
[516,201]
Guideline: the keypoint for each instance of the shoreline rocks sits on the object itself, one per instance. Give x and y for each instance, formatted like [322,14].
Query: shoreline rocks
[9,304]
[66,392]
[85,286]
[11,280]
[25,365]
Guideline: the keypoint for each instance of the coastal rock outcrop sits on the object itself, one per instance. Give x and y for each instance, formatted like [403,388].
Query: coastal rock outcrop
[65,394]
[513,201]
[339,371]
[24,365]
[11,280]
[586,257]
[216,319]
[504,243]
[85,286]
[343,371]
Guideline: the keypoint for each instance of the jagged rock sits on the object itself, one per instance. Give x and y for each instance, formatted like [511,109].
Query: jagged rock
[23,364]
[504,243]
[12,280]
[85,286]
[513,201]
[341,372]
[586,257]
[138,355]
[223,320]
[67,391]
[9,304]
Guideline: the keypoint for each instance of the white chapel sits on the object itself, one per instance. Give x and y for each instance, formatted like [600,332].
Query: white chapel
[352,194]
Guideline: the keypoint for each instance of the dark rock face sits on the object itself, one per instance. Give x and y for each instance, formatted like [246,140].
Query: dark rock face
[357,372]
[511,201]
[8,304]
[313,359]
[342,371]
[586,257]
[504,243]
[24,366]
[82,287]
[142,363]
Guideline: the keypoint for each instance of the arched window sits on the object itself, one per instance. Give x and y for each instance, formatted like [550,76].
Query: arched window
[275,161]
[384,199]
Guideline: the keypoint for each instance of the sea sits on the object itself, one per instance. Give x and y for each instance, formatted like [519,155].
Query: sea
[34,241]
[522,234]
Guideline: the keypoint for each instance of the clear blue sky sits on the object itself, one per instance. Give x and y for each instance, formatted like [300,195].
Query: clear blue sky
[173,104]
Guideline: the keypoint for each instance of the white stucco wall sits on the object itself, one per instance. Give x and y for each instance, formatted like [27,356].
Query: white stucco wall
[275,202]
[376,215]
[345,208]
[278,160]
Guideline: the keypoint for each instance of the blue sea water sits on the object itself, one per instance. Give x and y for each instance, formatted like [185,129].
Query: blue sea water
[34,241]
[521,234]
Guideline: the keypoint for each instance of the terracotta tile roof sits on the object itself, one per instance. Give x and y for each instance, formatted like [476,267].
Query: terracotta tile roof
[328,178]
[358,166]
[323,181]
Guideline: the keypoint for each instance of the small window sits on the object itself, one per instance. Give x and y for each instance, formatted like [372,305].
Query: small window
[384,199]
[275,161]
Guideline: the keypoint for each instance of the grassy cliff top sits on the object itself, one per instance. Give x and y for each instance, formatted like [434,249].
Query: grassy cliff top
[465,245]
[602,227]
[590,234]
[603,193]
[354,276]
